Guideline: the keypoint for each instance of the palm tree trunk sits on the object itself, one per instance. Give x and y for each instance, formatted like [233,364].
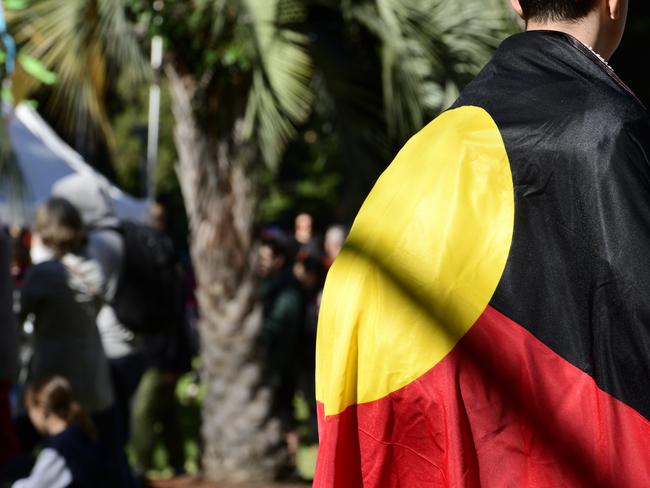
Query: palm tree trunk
[242,442]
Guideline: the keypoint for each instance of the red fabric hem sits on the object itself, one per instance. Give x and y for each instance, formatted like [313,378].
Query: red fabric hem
[502,409]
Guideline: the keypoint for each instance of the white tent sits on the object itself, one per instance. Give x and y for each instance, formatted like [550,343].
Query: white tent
[44,159]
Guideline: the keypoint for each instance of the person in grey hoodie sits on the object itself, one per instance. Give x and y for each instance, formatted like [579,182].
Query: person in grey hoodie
[106,246]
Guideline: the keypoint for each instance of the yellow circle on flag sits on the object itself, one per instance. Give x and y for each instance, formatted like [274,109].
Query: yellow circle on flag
[421,263]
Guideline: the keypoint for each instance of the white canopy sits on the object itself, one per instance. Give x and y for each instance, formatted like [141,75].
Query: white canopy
[44,159]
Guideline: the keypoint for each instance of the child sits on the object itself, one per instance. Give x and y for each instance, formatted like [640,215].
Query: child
[71,455]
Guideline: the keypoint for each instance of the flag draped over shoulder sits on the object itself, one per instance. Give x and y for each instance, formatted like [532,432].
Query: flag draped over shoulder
[488,320]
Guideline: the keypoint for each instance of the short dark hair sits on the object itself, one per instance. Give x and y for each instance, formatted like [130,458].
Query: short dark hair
[544,10]
[280,245]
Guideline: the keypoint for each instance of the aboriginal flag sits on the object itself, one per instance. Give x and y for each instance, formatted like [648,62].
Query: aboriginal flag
[488,320]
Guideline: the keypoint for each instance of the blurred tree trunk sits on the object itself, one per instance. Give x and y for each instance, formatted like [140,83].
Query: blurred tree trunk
[242,442]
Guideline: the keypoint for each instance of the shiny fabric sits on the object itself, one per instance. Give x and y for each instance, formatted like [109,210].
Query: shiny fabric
[549,387]
[578,274]
[500,410]
[408,282]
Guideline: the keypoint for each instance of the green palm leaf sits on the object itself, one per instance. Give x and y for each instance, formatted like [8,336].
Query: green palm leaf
[429,49]
[280,95]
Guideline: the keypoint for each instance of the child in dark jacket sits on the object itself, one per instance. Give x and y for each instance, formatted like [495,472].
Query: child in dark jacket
[71,455]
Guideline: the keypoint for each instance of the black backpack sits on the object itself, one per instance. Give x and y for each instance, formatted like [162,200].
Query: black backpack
[148,297]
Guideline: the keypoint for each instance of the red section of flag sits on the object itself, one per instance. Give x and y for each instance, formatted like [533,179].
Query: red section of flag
[502,409]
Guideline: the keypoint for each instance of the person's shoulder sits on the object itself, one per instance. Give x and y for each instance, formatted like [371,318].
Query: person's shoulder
[624,105]
[620,133]
[621,114]
[70,437]
[635,117]
[44,277]
[105,245]
[52,267]
[105,238]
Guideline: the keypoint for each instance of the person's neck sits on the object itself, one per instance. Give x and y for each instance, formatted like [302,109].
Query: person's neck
[587,31]
[56,426]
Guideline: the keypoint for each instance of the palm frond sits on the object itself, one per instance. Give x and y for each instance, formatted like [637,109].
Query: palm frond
[281,95]
[87,44]
[429,49]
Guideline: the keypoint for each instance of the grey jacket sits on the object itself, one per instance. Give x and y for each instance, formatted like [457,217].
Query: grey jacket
[105,246]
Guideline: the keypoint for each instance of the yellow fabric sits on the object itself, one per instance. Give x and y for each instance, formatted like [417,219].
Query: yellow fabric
[422,261]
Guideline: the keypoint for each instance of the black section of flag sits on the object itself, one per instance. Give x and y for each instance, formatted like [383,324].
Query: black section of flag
[578,274]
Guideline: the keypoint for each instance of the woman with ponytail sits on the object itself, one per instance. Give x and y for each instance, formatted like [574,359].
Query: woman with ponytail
[71,455]
[62,292]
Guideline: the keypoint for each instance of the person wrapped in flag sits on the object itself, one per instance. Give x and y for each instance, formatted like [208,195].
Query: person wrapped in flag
[487,322]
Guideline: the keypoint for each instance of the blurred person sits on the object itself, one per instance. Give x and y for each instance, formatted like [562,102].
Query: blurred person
[486,323]
[9,446]
[305,245]
[334,239]
[105,245]
[63,291]
[283,310]
[70,454]
[21,262]
[304,228]
[158,215]
[21,259]
[156,417]
[306,241]
[167,356]
[311,281]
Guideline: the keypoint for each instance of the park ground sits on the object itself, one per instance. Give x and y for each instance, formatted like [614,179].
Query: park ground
[193,482]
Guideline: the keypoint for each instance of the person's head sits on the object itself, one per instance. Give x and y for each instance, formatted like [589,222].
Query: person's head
[309,272]
[603,21]
[334,239]
[304,228]
[59,227]
[52,409]
[274,254]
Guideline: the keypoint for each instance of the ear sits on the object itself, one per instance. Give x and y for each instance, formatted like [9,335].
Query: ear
[517,8]
[614,8]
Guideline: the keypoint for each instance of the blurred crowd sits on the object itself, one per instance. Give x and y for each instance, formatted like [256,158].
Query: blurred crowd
[98,322]
[292,270]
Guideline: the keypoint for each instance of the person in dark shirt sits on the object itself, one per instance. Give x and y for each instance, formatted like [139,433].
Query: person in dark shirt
[9,446]
[71,455]
[283,320]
